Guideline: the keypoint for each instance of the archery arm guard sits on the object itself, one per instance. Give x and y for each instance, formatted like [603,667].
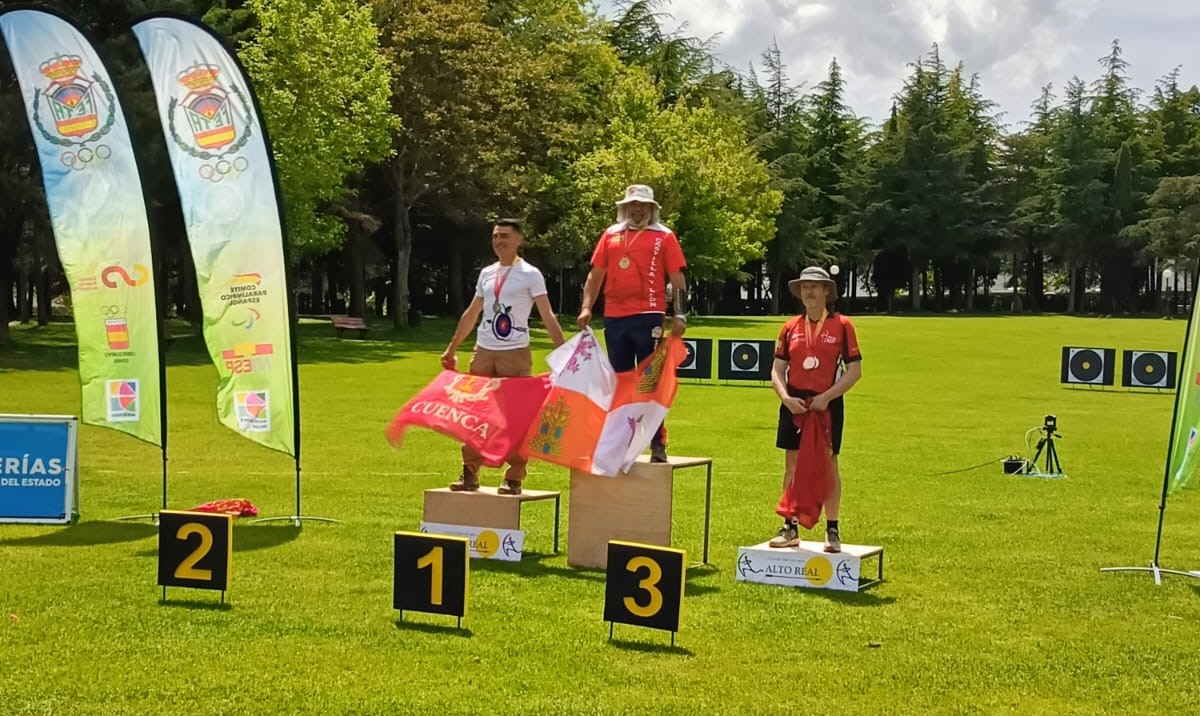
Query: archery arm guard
[679,301]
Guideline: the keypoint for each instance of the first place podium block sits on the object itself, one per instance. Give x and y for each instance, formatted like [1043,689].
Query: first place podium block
[485,508]
[808,565]
[634,507]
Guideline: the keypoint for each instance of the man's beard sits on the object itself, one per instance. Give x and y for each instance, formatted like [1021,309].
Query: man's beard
[638,223]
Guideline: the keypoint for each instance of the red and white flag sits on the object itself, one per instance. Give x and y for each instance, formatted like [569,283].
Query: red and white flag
[491,415]
[597,420]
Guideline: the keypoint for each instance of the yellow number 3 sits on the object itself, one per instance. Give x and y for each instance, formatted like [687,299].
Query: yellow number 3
[187,568]
[650,584]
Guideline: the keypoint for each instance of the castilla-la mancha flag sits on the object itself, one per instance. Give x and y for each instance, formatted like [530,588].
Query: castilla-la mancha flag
[491,415]
[595,420]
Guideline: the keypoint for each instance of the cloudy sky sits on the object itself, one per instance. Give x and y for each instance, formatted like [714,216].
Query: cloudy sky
[1016,46]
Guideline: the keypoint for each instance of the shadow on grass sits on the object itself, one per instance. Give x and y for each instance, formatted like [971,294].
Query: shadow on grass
[195,605]
[86,534]
[247,538]
[695,577]
[647,647]
[427,628]
[534,564]
[850,599]
[251,537]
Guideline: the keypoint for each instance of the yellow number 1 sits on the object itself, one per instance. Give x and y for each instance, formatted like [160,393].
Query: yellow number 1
[433,560]
[650,584]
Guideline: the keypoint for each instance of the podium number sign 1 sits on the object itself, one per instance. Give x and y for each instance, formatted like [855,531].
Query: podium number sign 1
[431,574]
[195,550]
[644,586]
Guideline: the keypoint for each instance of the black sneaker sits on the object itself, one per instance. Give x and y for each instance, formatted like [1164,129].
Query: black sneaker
[658,453]
[789,536]
[509,487]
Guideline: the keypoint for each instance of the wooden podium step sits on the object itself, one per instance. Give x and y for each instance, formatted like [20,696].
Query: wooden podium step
[485,508]
[635,507]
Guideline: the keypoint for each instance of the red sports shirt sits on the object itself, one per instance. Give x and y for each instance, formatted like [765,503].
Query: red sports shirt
[837,342]
[637,262]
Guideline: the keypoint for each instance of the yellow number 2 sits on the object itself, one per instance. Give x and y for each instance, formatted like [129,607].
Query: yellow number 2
[650,584]
[433,560]
[187,568]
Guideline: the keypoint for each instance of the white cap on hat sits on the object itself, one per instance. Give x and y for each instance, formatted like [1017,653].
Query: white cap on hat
[638,192]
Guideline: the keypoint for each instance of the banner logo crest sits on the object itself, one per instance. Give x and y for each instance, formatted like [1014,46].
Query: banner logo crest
[470,388]
[77,112]
[217,125]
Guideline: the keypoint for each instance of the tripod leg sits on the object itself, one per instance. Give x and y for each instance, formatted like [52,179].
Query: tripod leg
[1053,467]
[1033,463]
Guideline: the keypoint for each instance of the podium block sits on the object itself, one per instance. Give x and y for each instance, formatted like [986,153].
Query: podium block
[809,565]
[485,508]
[635,507]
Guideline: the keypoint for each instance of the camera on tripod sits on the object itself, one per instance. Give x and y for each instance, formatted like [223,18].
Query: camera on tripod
[1018,465]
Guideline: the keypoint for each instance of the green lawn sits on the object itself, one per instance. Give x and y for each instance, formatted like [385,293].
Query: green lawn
[993,603]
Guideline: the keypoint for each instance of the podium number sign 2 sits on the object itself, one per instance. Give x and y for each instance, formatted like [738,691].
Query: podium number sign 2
[431,574]
[644,586]
[195,550]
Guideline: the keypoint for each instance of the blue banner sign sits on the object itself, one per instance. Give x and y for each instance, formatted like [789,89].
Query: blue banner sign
[38,479]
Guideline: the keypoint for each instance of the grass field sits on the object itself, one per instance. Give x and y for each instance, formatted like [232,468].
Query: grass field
[993,603]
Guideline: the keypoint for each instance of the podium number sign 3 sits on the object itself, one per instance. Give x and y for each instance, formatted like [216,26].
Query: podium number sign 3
[644,586]
[431,574]
[195,550]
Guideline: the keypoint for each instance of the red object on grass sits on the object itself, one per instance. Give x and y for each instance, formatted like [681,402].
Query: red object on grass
[237,507]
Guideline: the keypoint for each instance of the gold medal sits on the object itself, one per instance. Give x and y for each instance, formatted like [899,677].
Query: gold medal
[624,262]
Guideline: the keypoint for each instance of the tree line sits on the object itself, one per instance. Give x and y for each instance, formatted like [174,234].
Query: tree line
[402,128]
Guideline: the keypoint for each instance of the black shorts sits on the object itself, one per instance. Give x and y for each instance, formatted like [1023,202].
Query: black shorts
[787,437]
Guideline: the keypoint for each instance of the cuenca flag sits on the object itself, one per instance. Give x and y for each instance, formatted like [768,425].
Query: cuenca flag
[598,421]
[491,415]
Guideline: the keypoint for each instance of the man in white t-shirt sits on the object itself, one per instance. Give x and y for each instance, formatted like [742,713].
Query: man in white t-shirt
[505,294]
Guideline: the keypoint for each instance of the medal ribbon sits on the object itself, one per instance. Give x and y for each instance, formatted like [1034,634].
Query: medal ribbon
[627,244]
[810,338]
[499,284]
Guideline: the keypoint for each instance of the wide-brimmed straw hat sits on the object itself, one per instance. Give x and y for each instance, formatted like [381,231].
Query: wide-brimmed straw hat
[638,192]
[813,273]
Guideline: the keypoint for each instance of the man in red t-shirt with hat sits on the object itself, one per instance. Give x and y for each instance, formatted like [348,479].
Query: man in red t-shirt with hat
[634,260]
[817,359]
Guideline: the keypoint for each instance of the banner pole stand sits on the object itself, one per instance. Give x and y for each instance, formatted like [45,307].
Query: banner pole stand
[1154,567]
[1184,356]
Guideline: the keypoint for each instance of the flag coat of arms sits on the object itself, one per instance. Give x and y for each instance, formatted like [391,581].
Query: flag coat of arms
[491,415]
[596,420]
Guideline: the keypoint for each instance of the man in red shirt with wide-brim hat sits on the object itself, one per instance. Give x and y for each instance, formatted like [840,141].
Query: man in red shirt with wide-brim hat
[634,260]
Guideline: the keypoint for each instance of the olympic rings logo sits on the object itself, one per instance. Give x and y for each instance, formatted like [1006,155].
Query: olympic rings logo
[112,311]
[84,157]
[141,275]
[223,168]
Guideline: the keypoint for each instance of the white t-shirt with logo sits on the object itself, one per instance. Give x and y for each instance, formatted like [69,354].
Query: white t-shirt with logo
[504,324]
